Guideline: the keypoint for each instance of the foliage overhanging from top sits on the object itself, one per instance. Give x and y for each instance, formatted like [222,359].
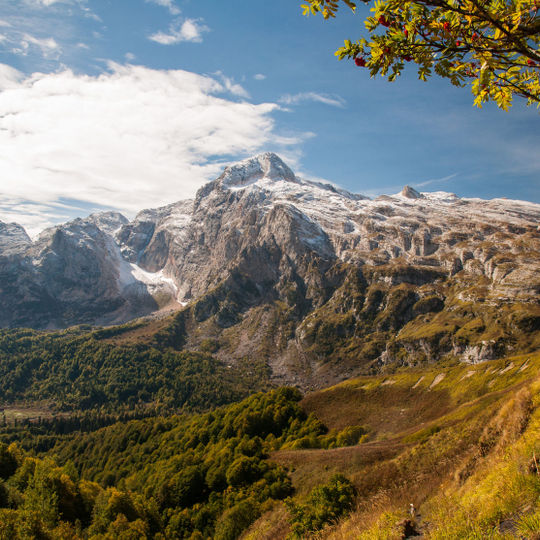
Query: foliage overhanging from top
[493,45]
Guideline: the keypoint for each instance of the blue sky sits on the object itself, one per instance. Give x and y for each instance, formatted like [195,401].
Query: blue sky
[128,104]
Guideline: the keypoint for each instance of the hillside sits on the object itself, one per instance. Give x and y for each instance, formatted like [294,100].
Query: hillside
[446,438]
[459,443]
[83,369]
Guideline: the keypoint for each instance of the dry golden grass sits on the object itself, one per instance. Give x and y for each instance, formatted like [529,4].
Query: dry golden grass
[383,409]
[481,414]
[273,524]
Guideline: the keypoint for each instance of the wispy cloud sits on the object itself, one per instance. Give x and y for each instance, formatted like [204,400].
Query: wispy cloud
[130,138]
[89,14]
[169,4]
[232,87]
[48,2]
[44,30]
[9,77]
[47,46]
[327,99]
[435,180]
[179,31]
[259,77]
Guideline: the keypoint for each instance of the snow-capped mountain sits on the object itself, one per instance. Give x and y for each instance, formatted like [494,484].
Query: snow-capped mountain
[261,203]
[261,242]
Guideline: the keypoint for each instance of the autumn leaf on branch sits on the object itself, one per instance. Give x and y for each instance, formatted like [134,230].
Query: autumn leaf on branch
[493,46]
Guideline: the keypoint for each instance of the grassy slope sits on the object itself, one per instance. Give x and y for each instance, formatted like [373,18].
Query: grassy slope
[432,441]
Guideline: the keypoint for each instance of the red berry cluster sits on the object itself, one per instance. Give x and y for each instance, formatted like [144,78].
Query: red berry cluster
[360,61]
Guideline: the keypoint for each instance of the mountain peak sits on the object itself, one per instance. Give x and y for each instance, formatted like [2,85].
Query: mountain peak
[12,236]
[108,222]
[267,165]
[411,193]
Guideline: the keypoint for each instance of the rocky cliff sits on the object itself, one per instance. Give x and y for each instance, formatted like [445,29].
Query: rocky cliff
[315,281]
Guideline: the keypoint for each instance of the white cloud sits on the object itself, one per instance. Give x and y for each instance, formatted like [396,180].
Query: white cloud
[259,77]
[36,216]
[89,14]
[129,56]
[45,44]
[9,77]
[333,100]
[169,4]
[48,2]
[231,86]
[48,46]
[44,30]
[187,30]
[129,139]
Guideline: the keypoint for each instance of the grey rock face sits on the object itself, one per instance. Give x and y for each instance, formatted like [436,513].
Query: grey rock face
[13,238]
[70,274]
[283,239]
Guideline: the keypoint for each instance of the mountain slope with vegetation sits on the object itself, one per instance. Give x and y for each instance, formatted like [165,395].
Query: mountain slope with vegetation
[81,369]
[347,461]
[411,323]
[460,443]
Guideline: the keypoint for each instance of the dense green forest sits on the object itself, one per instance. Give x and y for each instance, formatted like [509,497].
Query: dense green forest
[78,369]
[190,476]
[141,439]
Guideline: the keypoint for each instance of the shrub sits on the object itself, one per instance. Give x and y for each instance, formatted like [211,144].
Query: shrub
[236,519]
[350,436]
[243,470]
[325,504]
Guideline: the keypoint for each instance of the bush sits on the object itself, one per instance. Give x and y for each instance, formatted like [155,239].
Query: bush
[325,504]
[350,436]
[236,519]
[243,470]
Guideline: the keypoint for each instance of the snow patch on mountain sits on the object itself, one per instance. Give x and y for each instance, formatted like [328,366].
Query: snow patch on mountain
[131,273]
[131,276]
[268,166]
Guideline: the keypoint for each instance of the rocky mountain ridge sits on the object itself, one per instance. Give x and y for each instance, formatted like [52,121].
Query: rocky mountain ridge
[289,270]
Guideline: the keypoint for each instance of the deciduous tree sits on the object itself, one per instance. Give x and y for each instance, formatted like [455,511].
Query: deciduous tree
[493,46]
